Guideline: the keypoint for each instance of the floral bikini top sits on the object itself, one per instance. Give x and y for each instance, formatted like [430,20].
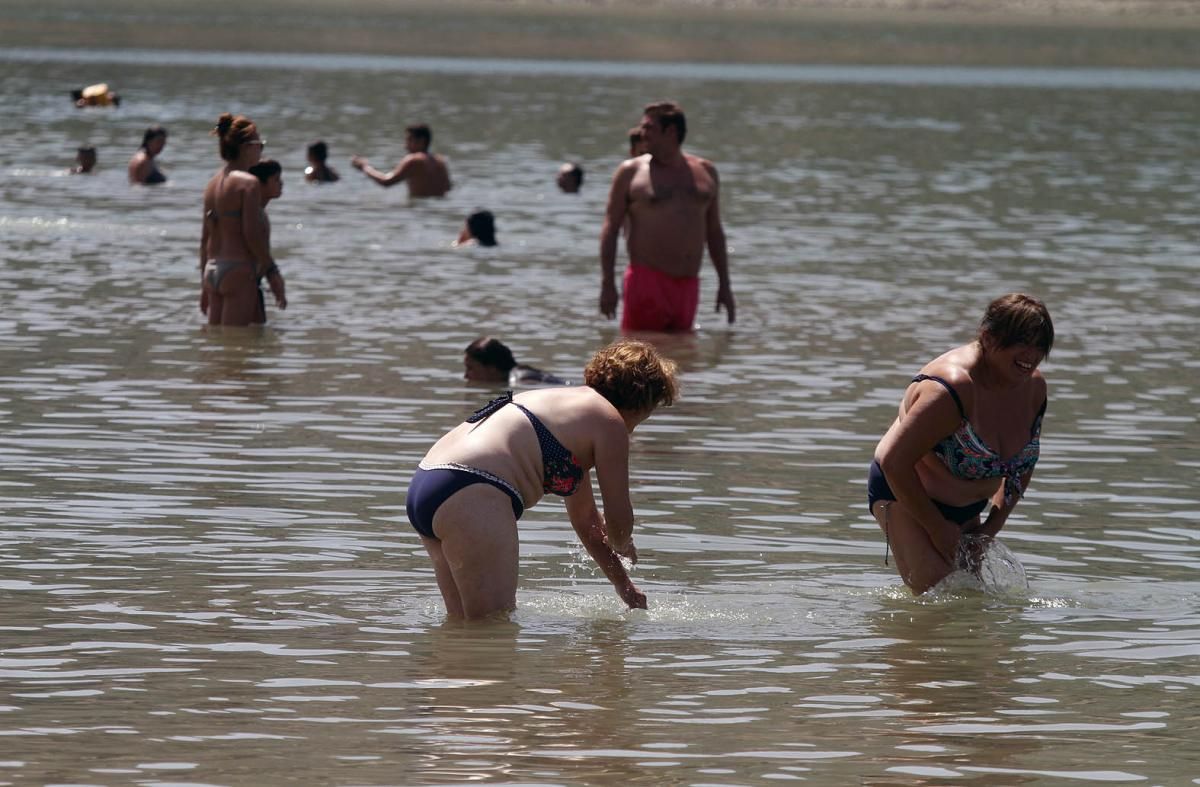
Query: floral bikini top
[561,472]
[967,456]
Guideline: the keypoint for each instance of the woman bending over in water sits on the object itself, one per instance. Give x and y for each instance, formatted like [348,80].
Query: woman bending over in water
[968,433]
[234,249]
[473,485]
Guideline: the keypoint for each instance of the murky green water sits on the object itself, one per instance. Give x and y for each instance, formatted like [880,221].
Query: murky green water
[205,569]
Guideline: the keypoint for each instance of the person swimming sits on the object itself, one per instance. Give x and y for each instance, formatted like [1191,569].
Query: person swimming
[317,170]
[85,161]
[479,229]
[98,95]
[142,167]
[488,360]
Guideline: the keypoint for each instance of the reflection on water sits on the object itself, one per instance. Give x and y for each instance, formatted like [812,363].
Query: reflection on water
[206,571]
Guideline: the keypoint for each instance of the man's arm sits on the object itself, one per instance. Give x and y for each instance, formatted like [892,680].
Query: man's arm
[402,171]
[717,250]
[614,217]
[205,231]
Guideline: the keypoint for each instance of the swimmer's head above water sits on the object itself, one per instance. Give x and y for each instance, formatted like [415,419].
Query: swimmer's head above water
[570,178]
[487,360]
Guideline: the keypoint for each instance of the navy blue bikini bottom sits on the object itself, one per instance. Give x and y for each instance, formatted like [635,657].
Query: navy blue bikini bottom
[432,486]
[878,489]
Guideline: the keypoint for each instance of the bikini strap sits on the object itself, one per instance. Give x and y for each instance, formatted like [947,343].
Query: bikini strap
[543,433]
[489,408]
[962,412]
[1036,429]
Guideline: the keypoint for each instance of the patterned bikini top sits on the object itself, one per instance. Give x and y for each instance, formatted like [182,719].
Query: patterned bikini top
[967,456]
[561,472]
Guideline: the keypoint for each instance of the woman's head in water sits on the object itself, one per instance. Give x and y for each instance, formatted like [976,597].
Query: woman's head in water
[236,132]
[487,360]
[482,226]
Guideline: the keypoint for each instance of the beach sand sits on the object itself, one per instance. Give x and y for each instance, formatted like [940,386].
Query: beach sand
[1072,33]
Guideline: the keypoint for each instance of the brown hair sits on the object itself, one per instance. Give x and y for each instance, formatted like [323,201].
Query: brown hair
[491,352]
[420,131]
[1017,318]
[632,376]
[264,169]
[153,133]
[232,132]
[667,114]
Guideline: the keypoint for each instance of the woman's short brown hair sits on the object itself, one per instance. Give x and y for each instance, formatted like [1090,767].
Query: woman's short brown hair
[1017,318]
[632,376]
[233,131]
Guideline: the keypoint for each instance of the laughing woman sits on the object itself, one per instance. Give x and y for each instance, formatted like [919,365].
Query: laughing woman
[967,433]
[473,485]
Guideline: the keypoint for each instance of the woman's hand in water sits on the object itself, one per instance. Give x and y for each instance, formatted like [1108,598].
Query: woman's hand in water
[275,281]
[633,598]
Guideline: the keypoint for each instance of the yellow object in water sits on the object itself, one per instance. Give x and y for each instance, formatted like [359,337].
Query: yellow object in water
[97,95]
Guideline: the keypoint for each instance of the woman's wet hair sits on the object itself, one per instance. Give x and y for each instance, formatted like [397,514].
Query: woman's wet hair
[1018,318]
[319,151]
[232,131]
[264,169]
[491,352]
[153,133]
[632,376]
[482,225]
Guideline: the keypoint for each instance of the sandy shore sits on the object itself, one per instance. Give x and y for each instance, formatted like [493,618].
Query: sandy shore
[1140,11]
[1043,33]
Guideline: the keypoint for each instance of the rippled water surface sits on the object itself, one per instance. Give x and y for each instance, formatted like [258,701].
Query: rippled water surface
[206,574]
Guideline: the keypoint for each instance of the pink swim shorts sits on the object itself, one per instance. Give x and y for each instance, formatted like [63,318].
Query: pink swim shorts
[655,301]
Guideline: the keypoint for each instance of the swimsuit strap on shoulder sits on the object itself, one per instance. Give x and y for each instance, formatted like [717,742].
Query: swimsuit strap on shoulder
[489,408]
[962,412]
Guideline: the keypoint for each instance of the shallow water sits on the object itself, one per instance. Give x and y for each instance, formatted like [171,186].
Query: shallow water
[205,567]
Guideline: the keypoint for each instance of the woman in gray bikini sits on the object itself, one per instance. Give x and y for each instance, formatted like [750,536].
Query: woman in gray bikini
[234,250]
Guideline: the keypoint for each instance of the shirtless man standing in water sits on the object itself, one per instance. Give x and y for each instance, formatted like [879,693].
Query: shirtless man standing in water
[670,199]
[425,172]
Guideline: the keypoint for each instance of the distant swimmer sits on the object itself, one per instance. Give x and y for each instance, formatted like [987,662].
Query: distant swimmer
[142,167]
[425,173]
[469,492]
[478,230]
[671,201]
[317,170]
[270,176]
[98,95]
[85,161]
[968,433]
[570,178]
[234,248]
[488,360]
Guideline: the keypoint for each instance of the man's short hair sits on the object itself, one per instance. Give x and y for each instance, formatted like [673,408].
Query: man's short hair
[420,131]
[667,114]
[264,169]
